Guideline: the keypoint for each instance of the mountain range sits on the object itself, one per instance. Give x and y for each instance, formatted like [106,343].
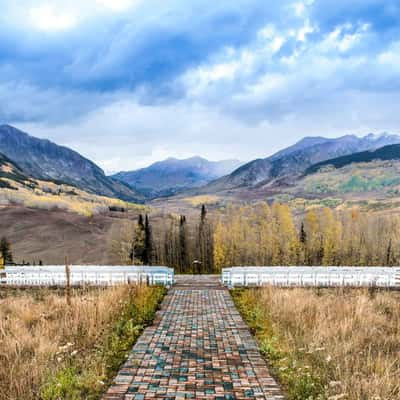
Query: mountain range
[168,177]
[25,158]
[294,161]
[43,159]
[386,153]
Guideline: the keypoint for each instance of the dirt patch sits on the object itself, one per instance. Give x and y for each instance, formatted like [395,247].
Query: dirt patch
[51,235]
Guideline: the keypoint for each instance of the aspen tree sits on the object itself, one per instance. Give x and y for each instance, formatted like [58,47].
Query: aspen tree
[220,248]
[313,244]
[330,237]
[265,235]
[276,256]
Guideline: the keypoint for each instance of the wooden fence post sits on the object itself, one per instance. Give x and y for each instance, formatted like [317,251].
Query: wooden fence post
[68,281]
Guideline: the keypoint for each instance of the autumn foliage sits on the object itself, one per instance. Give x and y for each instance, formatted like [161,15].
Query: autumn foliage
[273,235]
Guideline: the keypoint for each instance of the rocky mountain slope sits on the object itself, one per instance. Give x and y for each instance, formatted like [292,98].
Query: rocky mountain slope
[391,152]
[43,159]
[11,172]
[172,175]
[294,160]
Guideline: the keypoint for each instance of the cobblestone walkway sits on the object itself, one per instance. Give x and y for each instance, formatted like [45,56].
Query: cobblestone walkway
[198,348]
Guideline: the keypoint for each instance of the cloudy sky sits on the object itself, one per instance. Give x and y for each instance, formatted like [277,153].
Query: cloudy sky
[128,82]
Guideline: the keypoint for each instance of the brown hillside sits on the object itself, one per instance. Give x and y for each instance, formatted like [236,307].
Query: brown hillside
[51,235]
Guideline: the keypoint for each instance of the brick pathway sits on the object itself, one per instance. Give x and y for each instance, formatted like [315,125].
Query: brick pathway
[198,348]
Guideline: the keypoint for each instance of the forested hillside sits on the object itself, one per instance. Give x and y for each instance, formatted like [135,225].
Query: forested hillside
[264,235]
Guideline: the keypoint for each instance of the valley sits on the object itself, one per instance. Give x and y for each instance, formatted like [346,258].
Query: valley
[46,219]
[199,200]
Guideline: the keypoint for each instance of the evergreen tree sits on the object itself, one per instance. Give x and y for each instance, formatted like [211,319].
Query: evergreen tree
[138,250]
[205,243]
[389,260]
[203,215]
[303,235]
[5,251]
[183,246]
[148,255]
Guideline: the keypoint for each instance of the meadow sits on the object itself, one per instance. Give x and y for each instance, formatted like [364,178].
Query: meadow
[328,344]
[54,350]
[46,195]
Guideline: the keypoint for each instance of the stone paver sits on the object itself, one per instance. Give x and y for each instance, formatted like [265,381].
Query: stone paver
[198,348]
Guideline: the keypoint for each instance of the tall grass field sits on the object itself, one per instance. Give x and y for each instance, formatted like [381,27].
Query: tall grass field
[51,350]
[328,344]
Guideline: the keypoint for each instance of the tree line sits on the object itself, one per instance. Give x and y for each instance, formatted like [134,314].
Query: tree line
[6,257]
[273,235]
[260,234]
[171,241]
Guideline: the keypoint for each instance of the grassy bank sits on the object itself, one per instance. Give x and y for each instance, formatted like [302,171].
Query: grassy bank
[328,344]
[50,350]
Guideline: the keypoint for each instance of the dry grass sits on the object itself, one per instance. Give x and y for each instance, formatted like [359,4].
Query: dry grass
[51,196]
[346,343]
[41,336]
[197,201]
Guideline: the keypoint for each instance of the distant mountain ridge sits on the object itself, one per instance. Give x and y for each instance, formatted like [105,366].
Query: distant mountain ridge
[43,159]
[172,175]
[386,153]
[294,160]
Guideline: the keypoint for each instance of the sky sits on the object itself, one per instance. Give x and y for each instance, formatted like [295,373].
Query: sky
[130,82]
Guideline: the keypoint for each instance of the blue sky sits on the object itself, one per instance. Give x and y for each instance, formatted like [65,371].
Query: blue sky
[129,82]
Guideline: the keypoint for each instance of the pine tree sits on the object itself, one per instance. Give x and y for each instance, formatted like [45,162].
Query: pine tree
[148,253]
[205,242]
[138,250]
[389,259]
[203,215]
[302,257]
[5,251]
[183,245]
[303,235]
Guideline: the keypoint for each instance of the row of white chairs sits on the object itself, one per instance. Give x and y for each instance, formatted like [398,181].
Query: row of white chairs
[312,276]
[231,277]
[97,275]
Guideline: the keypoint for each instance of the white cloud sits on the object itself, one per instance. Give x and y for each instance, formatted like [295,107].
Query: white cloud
[47,17]
[300,7]
[306,29]
[129,135]
[202,78]
[344,37]
[391,56]
[297,75]
[118,5]
[61,15]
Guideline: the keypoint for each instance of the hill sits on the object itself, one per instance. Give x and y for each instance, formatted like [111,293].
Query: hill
[43,159]
[369,180]
[17,188]
[391,152]
[165,178]
[9,171]
[294,160]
